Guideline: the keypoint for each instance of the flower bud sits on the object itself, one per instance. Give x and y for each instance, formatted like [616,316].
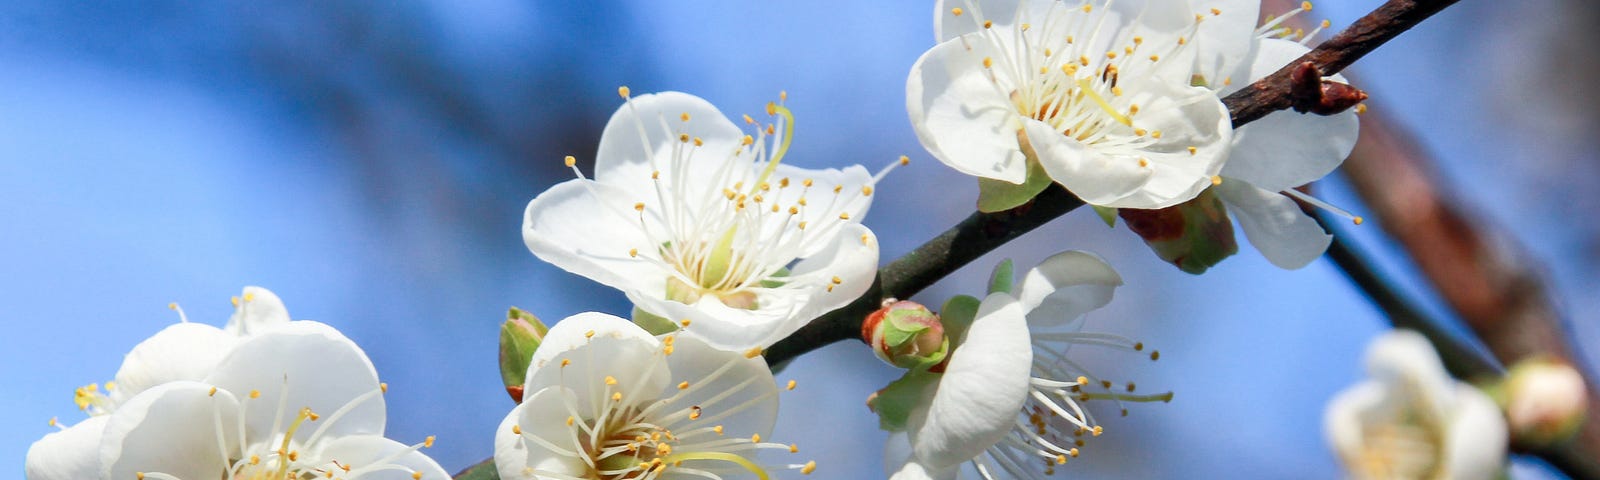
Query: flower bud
[1544,401]
[519,337]
[906,334]
[1192,235]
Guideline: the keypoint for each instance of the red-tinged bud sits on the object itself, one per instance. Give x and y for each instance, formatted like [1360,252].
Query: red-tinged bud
[1544,401]
[906,334]
[1194,235]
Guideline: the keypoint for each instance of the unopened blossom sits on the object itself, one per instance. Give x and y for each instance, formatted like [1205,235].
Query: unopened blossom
[1410,420]
[1545,401]
[1010,400]
[1107,98]
[1279,152]
[606,400]
[298,400]
[704,225]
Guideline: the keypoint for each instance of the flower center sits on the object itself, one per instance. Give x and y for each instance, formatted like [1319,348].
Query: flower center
[1406,443]
[1076,75]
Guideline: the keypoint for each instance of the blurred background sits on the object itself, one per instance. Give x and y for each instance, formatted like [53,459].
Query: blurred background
[370,161]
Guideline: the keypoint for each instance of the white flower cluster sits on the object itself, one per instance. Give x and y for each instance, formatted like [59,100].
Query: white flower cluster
[263,397]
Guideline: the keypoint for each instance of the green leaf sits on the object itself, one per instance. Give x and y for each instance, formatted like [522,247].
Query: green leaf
[656,325]
[1107,214]
[1000,195]
[957,315]
[1003,277]
[895,402]
[483,470]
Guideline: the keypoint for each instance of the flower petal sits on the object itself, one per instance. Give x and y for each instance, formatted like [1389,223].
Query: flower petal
[947,25]
[639,131]
[179,428]
[1066,286]
[259,309]
[580,226]
[1187,118]
[982,391]
[823,208]
[184,351]
[1343,423]
[1093,175]
[959,115]
[1286,149]
[71,454]
[582,351]
[717,387]
[1476,446]
[1225,39]
[542,415]
[304,364]
[361,451]
[1275,224]
[1405,358]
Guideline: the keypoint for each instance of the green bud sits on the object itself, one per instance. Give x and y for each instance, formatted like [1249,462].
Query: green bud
[907,335]
[519,338]
[1194,235]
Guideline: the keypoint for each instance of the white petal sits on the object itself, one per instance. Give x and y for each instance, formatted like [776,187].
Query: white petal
[1187,117]
[694,361]
[646,124]
[1404,357]
[184,351]
[303,364]
[1275,224]
[171,428]
[71,454]
[960,116]
[542,415]
[616,348]
[947,25]
[822,204]
[852,256]
[1286,149]
[1225,40]
[258,310]
[1066,286]
[1476,447]
[1095,176]
[982,390]
[589,228]
[733,328]
[1342,420]
[358,451]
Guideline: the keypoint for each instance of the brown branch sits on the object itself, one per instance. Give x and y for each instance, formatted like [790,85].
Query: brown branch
[1484,276]
[1277,91]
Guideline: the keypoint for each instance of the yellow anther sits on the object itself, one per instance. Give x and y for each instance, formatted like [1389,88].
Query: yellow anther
[1216,180]
[588,334]
[772,108]
[414,476]
[234,301]
[683,137]
[684,116]
[1193,150]
[1358,220]
[616,397]
[1111,55]
[844,216]
[610,380]
[1116,91]
[1099,430]
[1140,132]
[749,120]
[753,352]
[1361,108]
[1144,163]
[516,429]
[1155,58]
[1061,459]
[794,448]
[1155,354]
[694,412]
[383,387]
[794,210]
[811,466]
[633,252]
[212,393]
[1087,8]
[866,239]
[1155,134]
[988,62]
[684,322]
[956,11]
[717,429]
[988,24]
[756,438]
[1073,452]
[747,140]
[1182,40]
[698,142]
[1305,6]
[1082,380]
[790,386]
[569,420]
[783,95]
[683,385]
[255,394]
[772,129]
[1216,11]
[566,361]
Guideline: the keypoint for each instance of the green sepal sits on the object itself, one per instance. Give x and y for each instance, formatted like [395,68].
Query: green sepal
[484,470]
[957,315]
[895,402]
[896,336]
[520,336]
[1193,235]
[652,323]
[1003,278]
[1107,214]
[999,195]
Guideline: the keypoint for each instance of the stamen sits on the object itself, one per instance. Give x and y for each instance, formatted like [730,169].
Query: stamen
[1301,196]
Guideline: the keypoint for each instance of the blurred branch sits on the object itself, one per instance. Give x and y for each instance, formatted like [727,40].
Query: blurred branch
[1276,92]
[1483,275]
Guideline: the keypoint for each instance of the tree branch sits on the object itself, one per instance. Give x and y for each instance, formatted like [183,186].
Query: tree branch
[1276,92]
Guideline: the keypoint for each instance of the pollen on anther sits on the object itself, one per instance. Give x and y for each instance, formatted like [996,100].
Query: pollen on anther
[904,160]
[753,352]
[698,142]
[1155,354]
[570,160]
[588,334]
[811,466]
[415,476]
[1216,11]
[1216,180]
[639,206]
[634,252]
[427,442]
[212,393]
[956,11]
[1305,6]
[772,108]
[1193,150]
[988,62]
[255,394]
[569,420]
[790,386]
[616,397]
[684,323]
[566,361]
[1138,346]
[1082,380]
[1361,108]
[516,429]
[1358,220]
[623,91]
[1144,163]
[610,380]
[755,438]
[988,24]
[844,216]
[717,429]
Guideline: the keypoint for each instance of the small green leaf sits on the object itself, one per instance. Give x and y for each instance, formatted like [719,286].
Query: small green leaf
[999,195]
[895,402]
[1003,277]
[483,470]
[957,315]
[656,325]
[1107,214]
